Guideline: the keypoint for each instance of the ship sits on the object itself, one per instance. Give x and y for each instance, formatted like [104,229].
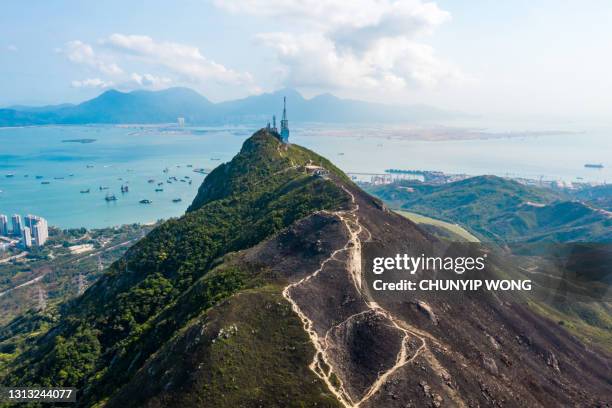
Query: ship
[85,191]
[159,190]
[110,197]
[145,201]
[594,166]
[177,200]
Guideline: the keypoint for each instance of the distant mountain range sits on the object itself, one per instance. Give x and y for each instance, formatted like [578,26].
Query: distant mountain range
[115,107]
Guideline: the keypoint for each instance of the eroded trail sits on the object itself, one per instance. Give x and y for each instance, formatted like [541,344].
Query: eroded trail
[321,364]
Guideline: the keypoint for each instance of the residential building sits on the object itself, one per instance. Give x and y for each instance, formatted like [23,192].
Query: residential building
[38,227]
[4,226]
[17,225]
[27,237]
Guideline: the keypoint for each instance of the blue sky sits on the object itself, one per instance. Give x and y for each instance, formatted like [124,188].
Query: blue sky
[519,58]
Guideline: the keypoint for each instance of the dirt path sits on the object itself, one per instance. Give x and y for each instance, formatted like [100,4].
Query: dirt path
[321,365]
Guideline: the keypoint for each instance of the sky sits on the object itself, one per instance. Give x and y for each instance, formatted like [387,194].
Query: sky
[519,58]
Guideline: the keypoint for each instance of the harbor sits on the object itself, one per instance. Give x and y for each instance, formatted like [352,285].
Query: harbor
[70,175]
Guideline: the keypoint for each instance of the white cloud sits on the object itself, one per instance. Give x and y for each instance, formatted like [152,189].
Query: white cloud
[150,81]
[357,44]
[83,53]
[184,60]
[91,83]
[12,48]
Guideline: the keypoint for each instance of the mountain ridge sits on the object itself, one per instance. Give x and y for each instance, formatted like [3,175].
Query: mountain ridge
[165,106]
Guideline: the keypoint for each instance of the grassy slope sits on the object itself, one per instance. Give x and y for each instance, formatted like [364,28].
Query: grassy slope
[453,231]
[251,350]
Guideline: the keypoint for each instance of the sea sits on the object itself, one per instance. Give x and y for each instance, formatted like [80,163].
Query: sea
[44,169]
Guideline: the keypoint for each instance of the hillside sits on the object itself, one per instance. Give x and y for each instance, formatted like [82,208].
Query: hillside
[141,107]
[598,196]
[260,296]
[502,210]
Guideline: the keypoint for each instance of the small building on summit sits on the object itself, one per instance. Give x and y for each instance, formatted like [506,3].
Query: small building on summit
[283,135]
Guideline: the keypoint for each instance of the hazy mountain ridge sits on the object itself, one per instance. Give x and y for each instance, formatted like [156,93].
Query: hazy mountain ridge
[115,107]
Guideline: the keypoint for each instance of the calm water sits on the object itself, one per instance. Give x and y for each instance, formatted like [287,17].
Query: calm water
[132,156]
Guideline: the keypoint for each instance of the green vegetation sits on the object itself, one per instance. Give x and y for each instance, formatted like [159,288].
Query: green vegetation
[251,351]
[449,231]
[591,322]
[180,270]
[59,267]
[497,209]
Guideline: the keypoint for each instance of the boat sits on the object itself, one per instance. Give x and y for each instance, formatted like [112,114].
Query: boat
[58,178]
[110,197]
[103,188]
[10,175]
[161,183]
[190,165]
[341,154]
[159,190]
[215,159]
[145,201]
[177,200]
[39,177]
[150,181]
[183,181]
[125,189]
[85,191]
[190,181]
[201,171]
[90,166]
[594,166]
[166,170]
[45,182]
